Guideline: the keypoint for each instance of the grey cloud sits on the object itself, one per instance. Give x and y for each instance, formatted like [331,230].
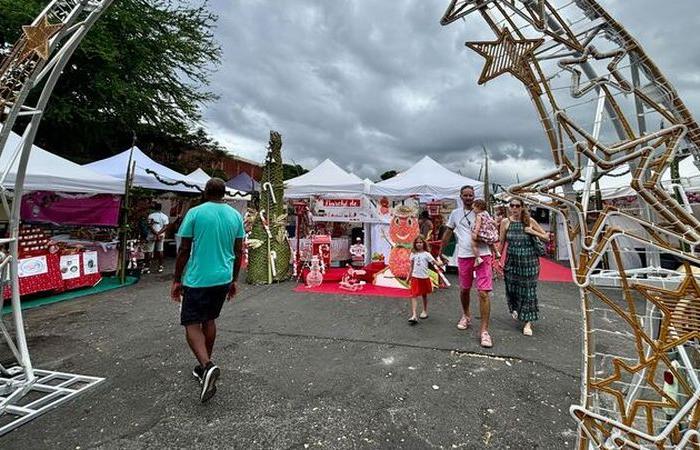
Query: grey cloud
[375,85]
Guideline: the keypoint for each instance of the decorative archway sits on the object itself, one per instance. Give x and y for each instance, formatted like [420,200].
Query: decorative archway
[39,56]
[597,94]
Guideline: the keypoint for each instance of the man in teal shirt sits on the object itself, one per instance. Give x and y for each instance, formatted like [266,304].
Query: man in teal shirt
[210,259]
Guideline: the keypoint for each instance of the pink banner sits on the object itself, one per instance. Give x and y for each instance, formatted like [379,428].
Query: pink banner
[65,209]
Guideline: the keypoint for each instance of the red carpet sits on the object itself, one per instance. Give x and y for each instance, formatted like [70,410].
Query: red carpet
[368,290]
[551,271]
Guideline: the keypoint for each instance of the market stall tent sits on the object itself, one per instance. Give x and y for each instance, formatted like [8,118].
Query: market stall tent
[201,177]
[326,178]
[148,174]
[49,172]
[428,179]
[243,182]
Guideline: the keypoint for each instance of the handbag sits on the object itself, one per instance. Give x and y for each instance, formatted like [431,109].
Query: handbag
[538,245]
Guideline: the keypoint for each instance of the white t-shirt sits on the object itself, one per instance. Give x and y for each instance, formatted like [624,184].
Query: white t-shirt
[462,223]
[420,264]
[156,220]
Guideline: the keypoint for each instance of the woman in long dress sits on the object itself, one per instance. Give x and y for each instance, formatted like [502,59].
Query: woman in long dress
[522,267]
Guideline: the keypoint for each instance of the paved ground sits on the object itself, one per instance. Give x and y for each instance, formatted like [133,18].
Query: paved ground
[307,371]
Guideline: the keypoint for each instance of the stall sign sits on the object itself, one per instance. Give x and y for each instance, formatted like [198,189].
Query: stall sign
[340,210]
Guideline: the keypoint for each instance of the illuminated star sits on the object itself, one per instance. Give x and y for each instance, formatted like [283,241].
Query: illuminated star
[37,38]
[591,52]
[507,54]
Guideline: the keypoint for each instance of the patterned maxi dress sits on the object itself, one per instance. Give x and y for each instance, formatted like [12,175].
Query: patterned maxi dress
[521,271]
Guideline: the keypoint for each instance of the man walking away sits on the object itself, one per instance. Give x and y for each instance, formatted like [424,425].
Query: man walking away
[210,259]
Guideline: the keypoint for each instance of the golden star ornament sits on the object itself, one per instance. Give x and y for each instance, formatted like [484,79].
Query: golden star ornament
[37,38]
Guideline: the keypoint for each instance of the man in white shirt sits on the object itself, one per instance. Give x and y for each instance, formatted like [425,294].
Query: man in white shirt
[157,224]
[461,223]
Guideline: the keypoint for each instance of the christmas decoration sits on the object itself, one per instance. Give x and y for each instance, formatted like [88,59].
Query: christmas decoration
[270,262]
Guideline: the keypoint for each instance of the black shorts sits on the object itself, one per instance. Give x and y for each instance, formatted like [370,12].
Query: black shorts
[202,304]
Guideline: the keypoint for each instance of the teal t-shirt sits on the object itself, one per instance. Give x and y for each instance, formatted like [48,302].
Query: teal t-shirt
[213,228]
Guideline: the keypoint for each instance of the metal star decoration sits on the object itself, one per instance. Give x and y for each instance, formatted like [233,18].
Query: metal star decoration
[591,52]
[37,38]
[507,54]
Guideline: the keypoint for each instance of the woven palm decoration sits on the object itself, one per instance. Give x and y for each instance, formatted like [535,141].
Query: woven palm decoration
[269,262]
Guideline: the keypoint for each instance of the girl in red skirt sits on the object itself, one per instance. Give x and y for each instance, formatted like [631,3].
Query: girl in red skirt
[419,280]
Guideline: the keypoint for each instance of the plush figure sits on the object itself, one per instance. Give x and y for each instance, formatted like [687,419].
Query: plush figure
[350,282]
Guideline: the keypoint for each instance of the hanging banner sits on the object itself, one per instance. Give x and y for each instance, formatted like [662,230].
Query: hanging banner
[90,263]
[29,267]
[70,266]
[64,209]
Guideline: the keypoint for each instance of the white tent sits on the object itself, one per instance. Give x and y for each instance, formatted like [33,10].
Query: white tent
[326,178]
[144,177]
[49,172]
[201,177]
[428,179]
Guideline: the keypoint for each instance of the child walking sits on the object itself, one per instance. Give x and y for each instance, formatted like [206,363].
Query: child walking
[485,230]
[421,284]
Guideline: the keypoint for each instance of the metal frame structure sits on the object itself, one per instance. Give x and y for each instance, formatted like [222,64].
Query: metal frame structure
[597,94]
[35,61]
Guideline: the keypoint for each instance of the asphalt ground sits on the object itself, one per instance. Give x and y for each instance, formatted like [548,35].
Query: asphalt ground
[307,371]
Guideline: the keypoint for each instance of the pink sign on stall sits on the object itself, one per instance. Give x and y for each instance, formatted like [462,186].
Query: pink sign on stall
[64,209]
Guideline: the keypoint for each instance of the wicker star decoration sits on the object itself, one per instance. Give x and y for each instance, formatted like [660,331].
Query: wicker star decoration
[680,308]
[591,52]
[37,38]
[507,54]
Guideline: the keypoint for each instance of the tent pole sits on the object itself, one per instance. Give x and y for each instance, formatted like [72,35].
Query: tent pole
[130,168]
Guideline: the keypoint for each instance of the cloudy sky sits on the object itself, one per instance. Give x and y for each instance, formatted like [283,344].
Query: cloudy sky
[376,84]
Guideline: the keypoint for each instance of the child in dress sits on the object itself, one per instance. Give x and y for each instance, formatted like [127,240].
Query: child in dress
[485,230]
[421,284]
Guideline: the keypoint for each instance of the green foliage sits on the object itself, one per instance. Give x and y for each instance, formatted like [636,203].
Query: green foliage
[290,171]
[388,174]
[143,67]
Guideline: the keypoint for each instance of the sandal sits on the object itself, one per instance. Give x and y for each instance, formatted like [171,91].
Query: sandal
[423,315]
[413,320]
[486,340]
[527,329]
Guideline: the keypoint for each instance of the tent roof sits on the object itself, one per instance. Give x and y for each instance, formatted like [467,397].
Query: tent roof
[200,176]
[243,182]
[49,172]
[426,178]
[327,177]
[116,166]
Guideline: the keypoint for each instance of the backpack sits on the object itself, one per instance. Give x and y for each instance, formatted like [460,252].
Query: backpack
[488,232]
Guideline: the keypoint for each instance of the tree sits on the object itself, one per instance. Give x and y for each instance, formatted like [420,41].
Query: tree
[144,67]
[292,171]
[388,174]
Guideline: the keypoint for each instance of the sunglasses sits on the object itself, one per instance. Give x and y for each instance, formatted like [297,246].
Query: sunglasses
[514,205]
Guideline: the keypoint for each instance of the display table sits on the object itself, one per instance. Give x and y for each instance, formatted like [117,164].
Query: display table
[107,252]
[340,248]
[57,272]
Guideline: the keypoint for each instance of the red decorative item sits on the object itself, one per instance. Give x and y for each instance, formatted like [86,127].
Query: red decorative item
[434,208]
[403,229]
[321,246]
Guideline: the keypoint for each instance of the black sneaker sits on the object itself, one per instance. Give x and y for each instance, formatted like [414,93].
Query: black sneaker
[209,377]
[198,373]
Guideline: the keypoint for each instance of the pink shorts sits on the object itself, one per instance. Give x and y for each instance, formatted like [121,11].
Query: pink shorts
[483,274]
